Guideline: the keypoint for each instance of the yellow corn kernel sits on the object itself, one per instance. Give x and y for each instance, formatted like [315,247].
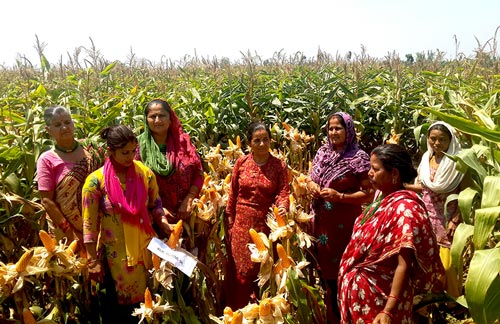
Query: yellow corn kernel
[24,260]
[72,248]
[279,219]
[237,317]
[148,299]
[265,307]
[257,240]
[175,235]
[48,241]
[156,261]
[28,317]
[285,261]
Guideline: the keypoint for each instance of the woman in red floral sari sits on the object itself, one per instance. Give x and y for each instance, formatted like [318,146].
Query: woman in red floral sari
[393,253]
[259,181]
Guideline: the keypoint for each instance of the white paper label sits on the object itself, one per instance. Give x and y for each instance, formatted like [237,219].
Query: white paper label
[180,258]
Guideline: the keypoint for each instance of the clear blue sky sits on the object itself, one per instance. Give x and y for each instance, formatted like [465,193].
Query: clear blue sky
[153,29]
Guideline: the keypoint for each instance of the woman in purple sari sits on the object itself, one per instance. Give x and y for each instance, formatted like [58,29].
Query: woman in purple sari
[339,185]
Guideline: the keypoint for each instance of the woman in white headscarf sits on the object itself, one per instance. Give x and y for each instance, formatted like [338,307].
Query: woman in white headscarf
[438,178]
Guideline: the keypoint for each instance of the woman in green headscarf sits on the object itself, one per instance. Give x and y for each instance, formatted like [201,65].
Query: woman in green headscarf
[168,151]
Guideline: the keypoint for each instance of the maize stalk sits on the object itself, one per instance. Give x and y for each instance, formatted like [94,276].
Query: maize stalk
[257,240]
[285,261]
[48,241]
[148,299]
[24,260]
[28,317]
[175,235]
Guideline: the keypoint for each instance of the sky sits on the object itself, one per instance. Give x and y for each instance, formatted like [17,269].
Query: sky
[175,29]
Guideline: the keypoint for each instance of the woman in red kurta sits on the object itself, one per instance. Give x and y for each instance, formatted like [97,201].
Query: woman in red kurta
[259,181]
[393,253]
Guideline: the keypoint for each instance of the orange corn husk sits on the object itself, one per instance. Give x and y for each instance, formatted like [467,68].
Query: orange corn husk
[279,219]
[237,317]
[28,317]
[156,261]
[24,260]
[48,241]
[265,307]
[238,141]
[257,240]
[72,248]
[285,262]
[148,299]
[175,235]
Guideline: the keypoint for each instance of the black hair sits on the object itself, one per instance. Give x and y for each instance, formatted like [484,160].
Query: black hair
[395,156]
[165,105]
[255,126]
[51,111]
[118,136]
[440,127]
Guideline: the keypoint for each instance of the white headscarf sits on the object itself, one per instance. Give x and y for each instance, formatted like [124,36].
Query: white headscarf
[447,178]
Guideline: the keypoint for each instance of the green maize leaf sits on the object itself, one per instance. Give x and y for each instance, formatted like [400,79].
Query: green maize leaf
[449,199]
[45,63]
[460,238]
[482,277]
[467,126]
[108,69]
[467,160]
[491,192]
[485,119]
[466,203]
[297,297]
[484,223]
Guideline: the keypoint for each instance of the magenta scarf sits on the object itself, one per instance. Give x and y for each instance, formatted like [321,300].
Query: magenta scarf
[133,204]
[328,165]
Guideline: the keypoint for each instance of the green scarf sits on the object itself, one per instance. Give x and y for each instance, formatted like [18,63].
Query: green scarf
[152,156]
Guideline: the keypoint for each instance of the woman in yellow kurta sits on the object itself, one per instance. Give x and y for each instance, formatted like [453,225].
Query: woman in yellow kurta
[119,202]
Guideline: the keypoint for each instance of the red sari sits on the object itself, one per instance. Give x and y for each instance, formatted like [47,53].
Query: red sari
[254,189]
[370,259]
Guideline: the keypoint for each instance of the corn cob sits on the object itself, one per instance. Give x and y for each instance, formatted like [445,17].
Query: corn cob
[206,180]
[47,240]
[28,317]
[175,235]
[156,261]
[238,141]
[227,179]
[148,299]
[257,240]
[228,313]
[237,317]
[72,248]
[279,219]
[285,262]
[217,149]
[287,127]
[264,307]
[24,260]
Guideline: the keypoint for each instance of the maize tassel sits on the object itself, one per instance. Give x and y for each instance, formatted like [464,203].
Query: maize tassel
[279,219]
[237,317]
[264,307]
[148,299]
[28,317]
[24,260]
[156,261]
[257,240]
[175,235]
[285,261]
[48,241]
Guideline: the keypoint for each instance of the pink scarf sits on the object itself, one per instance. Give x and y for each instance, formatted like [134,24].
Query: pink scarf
[132,206]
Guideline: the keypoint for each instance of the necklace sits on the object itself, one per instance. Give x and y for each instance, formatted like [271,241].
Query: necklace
[75,146]
[370,210]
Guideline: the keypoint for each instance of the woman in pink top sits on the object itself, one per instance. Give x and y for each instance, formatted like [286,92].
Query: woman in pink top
[61,172]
